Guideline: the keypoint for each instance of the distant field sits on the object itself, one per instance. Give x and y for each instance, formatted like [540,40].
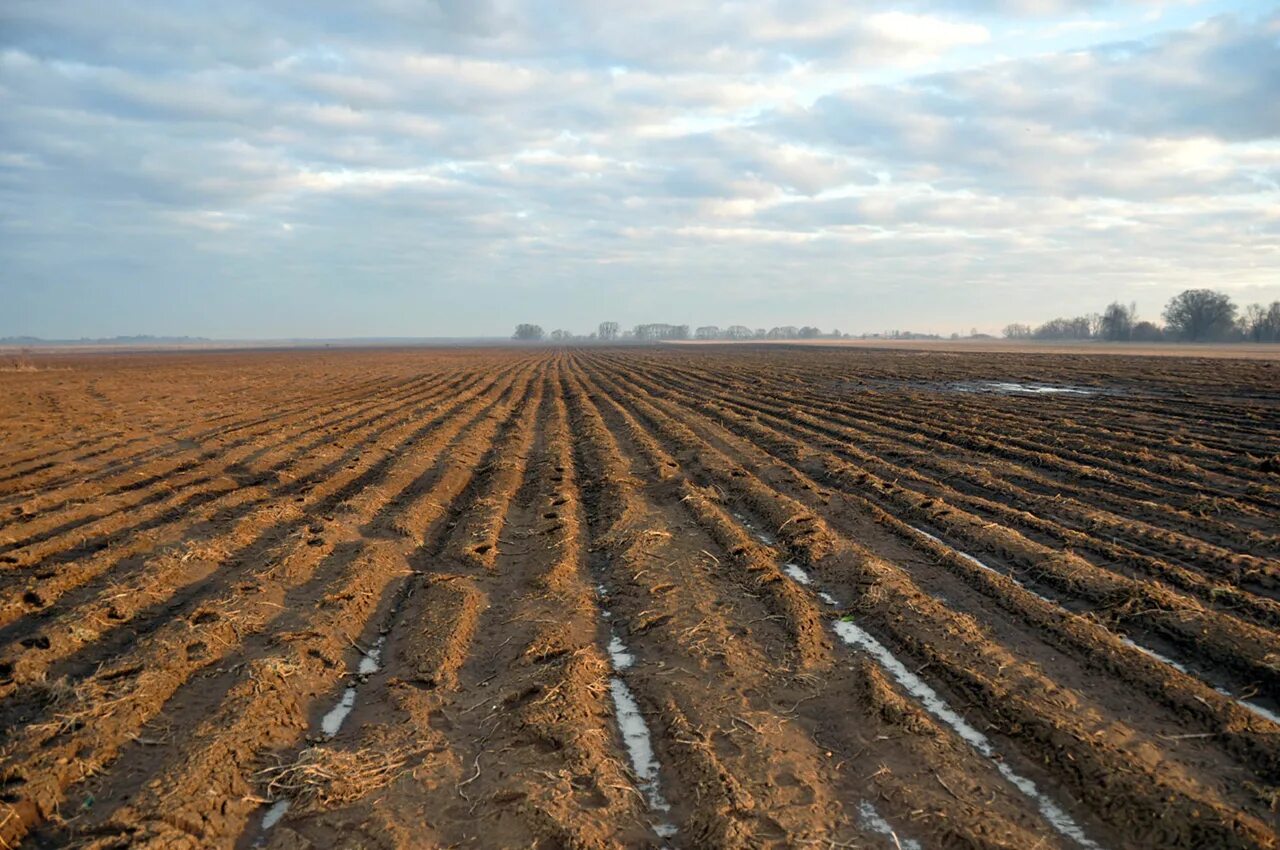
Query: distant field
[1238,351]
[686,596]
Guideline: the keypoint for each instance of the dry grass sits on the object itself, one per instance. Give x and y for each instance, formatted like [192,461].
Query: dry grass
[322,778]
[20,361]
[74,706]
[52,692]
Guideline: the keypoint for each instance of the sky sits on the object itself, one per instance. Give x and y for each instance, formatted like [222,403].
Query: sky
[314,168]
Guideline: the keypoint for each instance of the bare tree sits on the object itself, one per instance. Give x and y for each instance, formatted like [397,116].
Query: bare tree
[1117,322]
[1261,324]
[1271,323]
[661,330]
[1254,314]
[707,332]
[608,331]
[1015,331]
[1078,328]
[528,333]
[1200,315]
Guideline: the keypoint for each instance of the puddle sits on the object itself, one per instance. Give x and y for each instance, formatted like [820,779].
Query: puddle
[802,577]
[762,536]
[935,705]
[370,662]
[858,637]
[872,821]
[1026,389]
[274,814]
[1157,656]
[1018,388]
[796,573]
[635,733]
[1261,711]
[337,715]
[1057,817]
[977,563]
[1265,713]
[790,569]
[622,659]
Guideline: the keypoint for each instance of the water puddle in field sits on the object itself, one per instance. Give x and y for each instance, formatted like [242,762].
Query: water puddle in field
[793,570]
[635,732]
[796,573]
[1019,388]
[802,577]
[332,722]
[370,662]
[274,814]
[977,563]
[872,821]
[928,698]
[790,569]
[622,659]
[1157,656]
[1265,713]
[763,536]
[1261,711]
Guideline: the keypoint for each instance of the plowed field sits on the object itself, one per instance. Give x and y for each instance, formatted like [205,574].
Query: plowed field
[688,597]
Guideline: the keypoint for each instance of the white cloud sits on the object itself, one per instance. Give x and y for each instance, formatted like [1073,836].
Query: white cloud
[785,149]
[926,32]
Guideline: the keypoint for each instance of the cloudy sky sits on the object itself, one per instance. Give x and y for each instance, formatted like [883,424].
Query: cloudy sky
[452,167]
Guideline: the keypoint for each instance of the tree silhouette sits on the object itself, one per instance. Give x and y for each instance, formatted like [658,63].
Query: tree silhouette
[1118,321]
[1199,315]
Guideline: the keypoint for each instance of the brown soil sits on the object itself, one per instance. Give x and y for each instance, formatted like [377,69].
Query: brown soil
[1214,350]
[708,596]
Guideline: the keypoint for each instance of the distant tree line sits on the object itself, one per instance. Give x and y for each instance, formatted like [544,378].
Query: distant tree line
[659,331]
[1195,315]
[744,332]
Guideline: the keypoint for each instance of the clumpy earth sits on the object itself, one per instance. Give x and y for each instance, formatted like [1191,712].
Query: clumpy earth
[712,596]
